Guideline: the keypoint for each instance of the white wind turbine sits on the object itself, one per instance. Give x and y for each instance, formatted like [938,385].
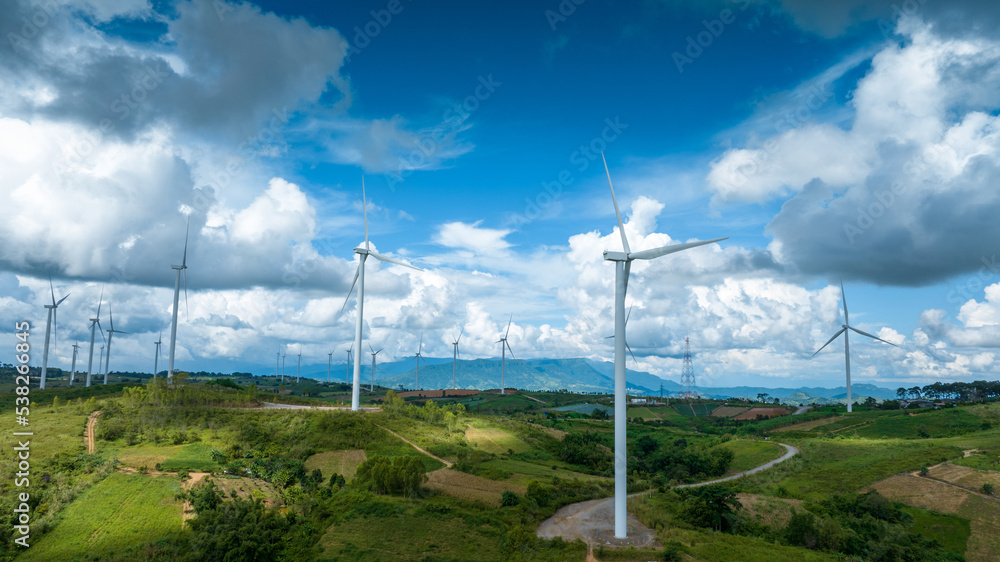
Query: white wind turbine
[347,377]
[72,374]
[277,361]
[847,347]
[623,262]
[283,365]
[95,324]
[419,359]
[177,294]
[298,369]
[329,365]
[156,360]
[504,347]
[111,332]
[454,361]
[374,353]
[359,280]
[53,312]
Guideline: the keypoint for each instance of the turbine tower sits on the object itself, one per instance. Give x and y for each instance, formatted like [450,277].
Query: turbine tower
[156,360]
[277,361]
[454,363]
[847,348]
[298,369]
[72,374]
[504,347]
[53,312]
[419,359]
[374,353]
[95,323]
[177,293]
[111,332]
[623,262]
[283,365]
[359,280]
[347,377]
[329,365]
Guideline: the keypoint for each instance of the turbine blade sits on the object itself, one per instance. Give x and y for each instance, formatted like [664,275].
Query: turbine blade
[55,327]
[830,340]
[664,250]
[186,232]
[632,354]
[872,337]
[52,290]
[628,268]
[187,311]
[393,260]
[100,302]
[364,208]
[111,317]
[460,335]
[371,348]
[621,225]
[843,298]
[353,283]
[509,320]
[627,316]
[509,349]
[62,299]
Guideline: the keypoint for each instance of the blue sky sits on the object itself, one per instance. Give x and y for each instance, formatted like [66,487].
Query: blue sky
[848,140]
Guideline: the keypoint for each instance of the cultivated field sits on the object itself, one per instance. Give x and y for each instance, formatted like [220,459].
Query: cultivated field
[493,440]
[345,463]
[469,487]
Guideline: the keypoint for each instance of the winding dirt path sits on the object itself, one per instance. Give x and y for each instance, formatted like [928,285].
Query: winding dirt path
[89,435]
[592,521]
[415,446]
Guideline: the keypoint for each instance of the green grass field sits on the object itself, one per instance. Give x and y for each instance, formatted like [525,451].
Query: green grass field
[933,423]
[345,463]
[120,511]
[951,531]
[193,456]
[751,454]
[523,472]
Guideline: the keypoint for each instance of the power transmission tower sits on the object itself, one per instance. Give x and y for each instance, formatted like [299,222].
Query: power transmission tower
[687,373]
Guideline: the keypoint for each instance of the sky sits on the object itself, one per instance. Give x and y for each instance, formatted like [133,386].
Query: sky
[853,141]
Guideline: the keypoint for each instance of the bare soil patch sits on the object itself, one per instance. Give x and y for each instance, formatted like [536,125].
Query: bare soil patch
[775,512]
[89,435]
[752,413]
[470,487]
[808,425]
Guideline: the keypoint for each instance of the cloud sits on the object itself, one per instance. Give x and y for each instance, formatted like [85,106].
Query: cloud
[905,194]
[471,237]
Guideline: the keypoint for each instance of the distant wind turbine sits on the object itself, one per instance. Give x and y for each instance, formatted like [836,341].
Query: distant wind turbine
[298,369]
[177,294]
[374,353]
[623,262]
[72,374]
[847,347]
[283,365]
[156,360]
[53,312]
[419,359]
[277,360]
[359,280]
[504,347]
[111,332]
[95,324]
[347,377]
[454,363]
[329,365]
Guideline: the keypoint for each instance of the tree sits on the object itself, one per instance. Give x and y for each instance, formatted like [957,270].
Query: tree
[915,393]
[713,506]
[762,397]
[901,393]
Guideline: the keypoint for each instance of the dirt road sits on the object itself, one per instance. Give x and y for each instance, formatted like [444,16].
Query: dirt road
[593,521]
[89,435]
[414,445]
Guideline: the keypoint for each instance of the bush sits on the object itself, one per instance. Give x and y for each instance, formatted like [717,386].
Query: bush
[988,489]
[509,499]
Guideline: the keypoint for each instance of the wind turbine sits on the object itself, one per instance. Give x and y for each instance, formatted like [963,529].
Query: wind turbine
[329,365]
[623,262]
[298,369]
[277,360]
[95,323]
[111,332]
[454,363]
[359,280]
[72,374]
[53,312]
[177,294]
[374,353]
[847,347]
[419,359]
[347,377]
[504,347]
[283,365]
[626,342]
[156,361]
